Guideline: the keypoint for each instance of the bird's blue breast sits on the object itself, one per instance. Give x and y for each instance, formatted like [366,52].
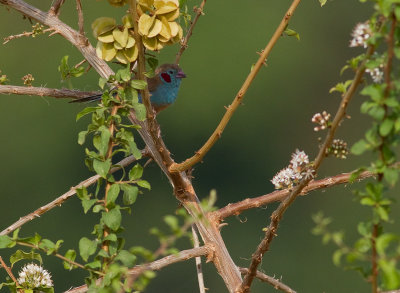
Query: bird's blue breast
[165,93]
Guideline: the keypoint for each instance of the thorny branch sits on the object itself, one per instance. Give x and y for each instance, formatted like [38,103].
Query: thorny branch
[270,280]
[230,110]
[184,42]
[42,91]
[278,213]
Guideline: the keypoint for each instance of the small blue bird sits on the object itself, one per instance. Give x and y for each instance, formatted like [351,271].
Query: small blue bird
[163,87]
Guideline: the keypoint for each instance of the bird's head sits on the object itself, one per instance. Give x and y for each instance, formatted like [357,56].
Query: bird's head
[170,74]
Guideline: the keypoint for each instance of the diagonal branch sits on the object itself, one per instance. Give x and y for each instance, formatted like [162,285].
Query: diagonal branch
[270,280]
[61,199]
[55,8]
[42,91]
[278,213]
[184,42]
[235,209]
[159,264]
[80,17]
[230,110]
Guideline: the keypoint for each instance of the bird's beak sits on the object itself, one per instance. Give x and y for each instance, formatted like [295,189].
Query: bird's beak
[180,74]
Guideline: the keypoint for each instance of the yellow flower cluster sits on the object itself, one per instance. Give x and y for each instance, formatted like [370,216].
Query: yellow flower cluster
[157,23]
[157,26]
[115,41]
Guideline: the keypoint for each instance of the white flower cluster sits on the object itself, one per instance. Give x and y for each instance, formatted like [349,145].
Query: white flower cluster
[376,73]
[292,174]
[321,119]
[34,276]
[361,34]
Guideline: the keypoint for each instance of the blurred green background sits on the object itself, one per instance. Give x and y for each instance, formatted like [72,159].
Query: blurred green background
[40,157]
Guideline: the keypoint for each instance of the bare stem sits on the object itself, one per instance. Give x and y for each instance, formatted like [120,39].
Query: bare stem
[230,110]
[55,8]
[80,17]
[270,280]
[200,279]
[10,273]
[24,34]
[184,42]
[47,92]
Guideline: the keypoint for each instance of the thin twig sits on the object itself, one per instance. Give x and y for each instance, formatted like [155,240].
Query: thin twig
[234,209]
[230,110]
[278,213]
[61,199]
[184,42]
[9,272]
[24,34]
[55,8]
[270,280]
[80,17]
[159,264]
[42,91]
[196,244]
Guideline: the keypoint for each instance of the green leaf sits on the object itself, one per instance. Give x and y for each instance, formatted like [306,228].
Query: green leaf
[144,184]
[138,84]
[123,74]
[48,246]
[391,175]
[130,194]
[102,82]
[31,240]
[386,127]
[85,111]
[136,172]
[111,237]
[87,247]
[322,2]
[102,167]
[382,213]
[359,147]
[354,175]
[6,241]
[70,255]
[391,276]
[140,111]
[105,139]
[383,242]
[20,255]
[112,194]
[112,218]
[93,265]
[127,258]
[82,137]
[367,201]
[87,204]
[292,33]
[337,256]
[172,222]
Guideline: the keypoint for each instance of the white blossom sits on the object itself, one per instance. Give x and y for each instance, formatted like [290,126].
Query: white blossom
[34,276]
[360,34]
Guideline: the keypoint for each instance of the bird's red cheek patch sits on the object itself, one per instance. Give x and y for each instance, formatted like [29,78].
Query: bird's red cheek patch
[166,77]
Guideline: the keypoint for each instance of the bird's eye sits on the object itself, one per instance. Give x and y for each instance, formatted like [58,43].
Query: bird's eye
[170,72]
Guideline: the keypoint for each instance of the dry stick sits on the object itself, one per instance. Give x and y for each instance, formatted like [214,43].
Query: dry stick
[75,38]
[199,270]
[159,264]
[234,209]
[55,8]
[270,280]
[184,42]
[80,17]
[278,213]
[188,163]
[42,91]
[9,272]
[58,201]
[24,34]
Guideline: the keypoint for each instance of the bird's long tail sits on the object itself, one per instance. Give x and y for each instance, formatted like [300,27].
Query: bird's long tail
[87,99]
